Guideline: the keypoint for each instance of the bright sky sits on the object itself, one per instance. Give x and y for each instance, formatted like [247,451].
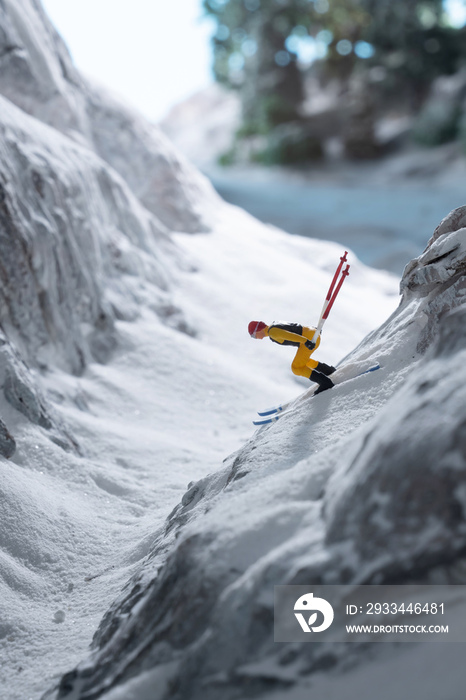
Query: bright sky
[153,52]
[457,11]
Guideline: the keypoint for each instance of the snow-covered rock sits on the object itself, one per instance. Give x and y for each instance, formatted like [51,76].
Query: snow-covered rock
[364,483]
[165,183]
[38,75]
[408,477]
[74,239]
[216,114]
[400,502]
[7,442]
[85,188]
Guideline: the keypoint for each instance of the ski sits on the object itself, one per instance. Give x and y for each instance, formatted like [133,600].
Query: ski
[275,409]
[272,418]
[270,415]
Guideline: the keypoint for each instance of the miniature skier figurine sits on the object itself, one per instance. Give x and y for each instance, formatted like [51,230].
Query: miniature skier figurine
[302,338]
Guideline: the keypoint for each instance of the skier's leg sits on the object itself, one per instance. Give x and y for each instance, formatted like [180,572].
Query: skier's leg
[300,364]
[325,369]
[314,364]
[304,366]
[321,367]
[322,380]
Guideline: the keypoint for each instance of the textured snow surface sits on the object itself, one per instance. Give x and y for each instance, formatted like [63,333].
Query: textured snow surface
[165,410]
[364,483]
[125,366]
[127,372]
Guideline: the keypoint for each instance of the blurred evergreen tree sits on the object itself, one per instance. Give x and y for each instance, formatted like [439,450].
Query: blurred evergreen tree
[259,43]
[413,44]
[256,49]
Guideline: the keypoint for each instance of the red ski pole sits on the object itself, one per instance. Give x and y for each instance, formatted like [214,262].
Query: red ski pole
[330,289]
[332,295]
[335,277]
[344,274]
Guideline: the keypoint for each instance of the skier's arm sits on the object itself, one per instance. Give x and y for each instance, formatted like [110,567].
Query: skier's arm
[280,335]
[314,342]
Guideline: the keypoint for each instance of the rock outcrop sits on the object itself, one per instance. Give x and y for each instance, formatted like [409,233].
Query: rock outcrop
[38,75]
[71,231]
[89,192]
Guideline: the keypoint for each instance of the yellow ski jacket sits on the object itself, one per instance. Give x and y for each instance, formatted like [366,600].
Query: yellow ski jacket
[291,334]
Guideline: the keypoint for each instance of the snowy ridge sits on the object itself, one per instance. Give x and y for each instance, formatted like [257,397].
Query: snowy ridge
[361,485]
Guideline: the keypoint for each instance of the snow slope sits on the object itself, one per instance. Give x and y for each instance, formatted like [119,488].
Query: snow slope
[125,366]
[165,410]
[364,483]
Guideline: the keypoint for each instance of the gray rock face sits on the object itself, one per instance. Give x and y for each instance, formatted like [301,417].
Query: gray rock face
[68,224]
[71,236]
[405,498]
[25,397]
[36,71]
[165,183]
[7,442]
[454,221]
[438,275]
[87,190]
[411,468]
[21,389]
[383,501]
[37,74]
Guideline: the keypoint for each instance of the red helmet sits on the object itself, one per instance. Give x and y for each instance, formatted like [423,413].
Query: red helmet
[255,326]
